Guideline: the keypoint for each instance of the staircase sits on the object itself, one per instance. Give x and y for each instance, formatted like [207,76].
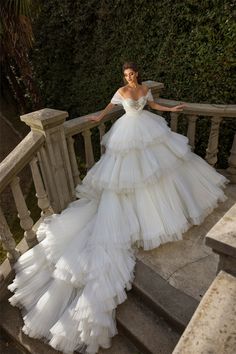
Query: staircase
[150,321]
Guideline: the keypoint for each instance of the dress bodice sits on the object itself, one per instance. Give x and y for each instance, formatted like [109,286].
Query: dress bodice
[131,105]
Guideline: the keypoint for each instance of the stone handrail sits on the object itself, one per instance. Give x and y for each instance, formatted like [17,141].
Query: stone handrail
[203,109]
[19,158]
[25,153]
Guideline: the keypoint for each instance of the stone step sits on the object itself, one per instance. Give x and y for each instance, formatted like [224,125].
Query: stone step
[212,327]
[120,345]
[173,305]
[150,319]
[149,332]
[11,323]
[19,343]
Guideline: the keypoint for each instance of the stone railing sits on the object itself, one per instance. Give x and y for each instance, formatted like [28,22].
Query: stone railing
[49,149]
[25,153]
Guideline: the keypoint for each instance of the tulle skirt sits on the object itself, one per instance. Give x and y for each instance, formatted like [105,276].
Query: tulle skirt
[147,189]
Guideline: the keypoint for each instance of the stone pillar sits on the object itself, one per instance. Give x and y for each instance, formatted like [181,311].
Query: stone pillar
[192,119]
[212,148]
[7,240]
[232,162]
[156,87]
[73,161]
[102,130]
[43,202]
[26,222]
[174,121]
[55,159]
[88,146]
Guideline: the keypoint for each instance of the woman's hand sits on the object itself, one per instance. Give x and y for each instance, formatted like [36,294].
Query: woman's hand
[95,118]
[178,108]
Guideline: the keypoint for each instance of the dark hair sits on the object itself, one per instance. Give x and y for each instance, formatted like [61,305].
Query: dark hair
[133,66]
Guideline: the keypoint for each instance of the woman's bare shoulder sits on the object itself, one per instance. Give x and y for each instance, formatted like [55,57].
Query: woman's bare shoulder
[145,88]
[122,90]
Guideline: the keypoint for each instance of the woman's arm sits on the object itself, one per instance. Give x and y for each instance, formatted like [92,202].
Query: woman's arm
[159,107]
[106,110]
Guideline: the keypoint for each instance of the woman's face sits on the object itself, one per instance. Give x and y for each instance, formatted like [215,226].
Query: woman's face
[130,76]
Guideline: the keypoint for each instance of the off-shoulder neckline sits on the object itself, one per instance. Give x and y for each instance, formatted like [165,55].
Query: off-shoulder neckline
[133,99]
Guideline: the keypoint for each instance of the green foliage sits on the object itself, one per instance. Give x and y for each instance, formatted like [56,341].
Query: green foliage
[188,45]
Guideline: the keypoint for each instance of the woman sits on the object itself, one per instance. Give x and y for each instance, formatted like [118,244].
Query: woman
[147,189]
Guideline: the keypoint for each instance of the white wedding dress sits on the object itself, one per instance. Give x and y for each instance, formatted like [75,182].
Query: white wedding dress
[147,189]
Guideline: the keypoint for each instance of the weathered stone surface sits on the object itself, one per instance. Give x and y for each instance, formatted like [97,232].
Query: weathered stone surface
[120,345]
[8,345]
[212,327]
[44,119]
[189,265]
[196,277]
[11,322]
[150,333]
[231,170]
[202,108]
[54,155]
[165,300]
[19,158]
[222,237]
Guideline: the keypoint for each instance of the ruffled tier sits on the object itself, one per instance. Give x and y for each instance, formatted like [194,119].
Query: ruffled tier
[71,282]
[69,298]
[136,132]
[141,151]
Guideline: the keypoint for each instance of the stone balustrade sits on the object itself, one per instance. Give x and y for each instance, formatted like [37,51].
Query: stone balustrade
[10,167]
[50,151]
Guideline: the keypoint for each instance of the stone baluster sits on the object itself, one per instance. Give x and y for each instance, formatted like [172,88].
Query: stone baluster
[54,155]
[212,148]
[48,179]
[101,133]
[88,149]
[73,161]
[232,162]
[41,194]
[26,221]
[192,129]
[43,172]
[174,121]
[7,240]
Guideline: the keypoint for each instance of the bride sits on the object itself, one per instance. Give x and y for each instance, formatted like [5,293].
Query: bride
[147,189]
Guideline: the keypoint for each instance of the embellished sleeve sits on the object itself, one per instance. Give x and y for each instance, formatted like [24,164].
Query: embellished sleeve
[117,98]
[150,96]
